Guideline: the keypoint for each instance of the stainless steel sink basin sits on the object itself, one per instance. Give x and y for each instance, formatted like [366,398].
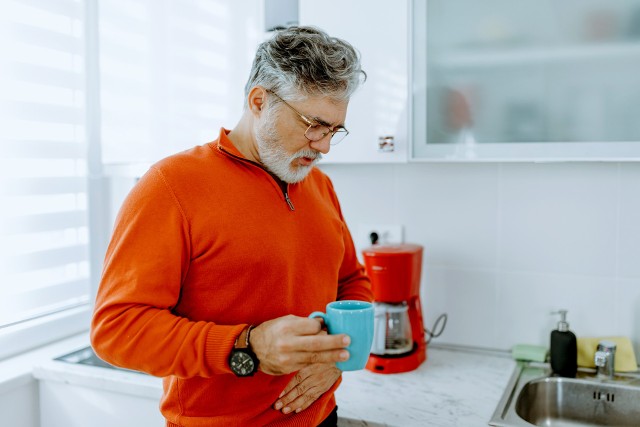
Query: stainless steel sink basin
[86,356]
[534,397]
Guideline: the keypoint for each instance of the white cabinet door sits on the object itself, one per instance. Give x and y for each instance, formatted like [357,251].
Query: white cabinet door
[380,31]
[526,81]
[69,405]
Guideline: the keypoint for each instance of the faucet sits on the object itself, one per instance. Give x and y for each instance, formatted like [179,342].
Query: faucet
[605,359]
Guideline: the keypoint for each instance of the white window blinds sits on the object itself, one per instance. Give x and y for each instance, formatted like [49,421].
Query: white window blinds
[168,74]
[43,184]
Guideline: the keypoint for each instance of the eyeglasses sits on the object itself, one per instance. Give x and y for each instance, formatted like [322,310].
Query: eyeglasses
[316,131]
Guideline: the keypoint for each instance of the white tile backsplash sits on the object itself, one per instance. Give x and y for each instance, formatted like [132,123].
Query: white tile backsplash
[469,299]
[526,301]
[629,221]
[507,243]
[559,218]
[627,310]
[452,210]
[370,191]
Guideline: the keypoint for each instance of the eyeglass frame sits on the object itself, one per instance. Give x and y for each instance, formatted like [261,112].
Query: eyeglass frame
[312,122]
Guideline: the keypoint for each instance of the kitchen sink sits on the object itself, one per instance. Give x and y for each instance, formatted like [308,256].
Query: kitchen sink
[86,356]
[535,397]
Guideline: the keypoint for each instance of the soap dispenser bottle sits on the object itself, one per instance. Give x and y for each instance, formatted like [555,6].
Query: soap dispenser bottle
[563,349]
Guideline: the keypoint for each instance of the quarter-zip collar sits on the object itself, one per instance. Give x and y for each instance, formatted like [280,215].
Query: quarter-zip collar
[224,145]
[223,142]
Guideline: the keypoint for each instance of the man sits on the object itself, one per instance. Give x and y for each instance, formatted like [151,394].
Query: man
[221,252]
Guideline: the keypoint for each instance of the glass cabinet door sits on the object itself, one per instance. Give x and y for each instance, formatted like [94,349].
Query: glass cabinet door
[526,80]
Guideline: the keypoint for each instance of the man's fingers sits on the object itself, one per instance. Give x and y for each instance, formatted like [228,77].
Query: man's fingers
[291,395]
[297,386]
[306,326]
[316,343]
[304,401]
[300,360]
[314,357]
[298,378]
[319,320]
[305,388]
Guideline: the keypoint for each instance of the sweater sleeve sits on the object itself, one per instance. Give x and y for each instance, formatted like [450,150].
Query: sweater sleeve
[133,325]
[353,283]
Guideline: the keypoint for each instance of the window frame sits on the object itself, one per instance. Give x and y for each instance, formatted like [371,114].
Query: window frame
[21,337]
[24,336]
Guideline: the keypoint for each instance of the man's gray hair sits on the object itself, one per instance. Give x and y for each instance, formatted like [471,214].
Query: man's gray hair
[305,61]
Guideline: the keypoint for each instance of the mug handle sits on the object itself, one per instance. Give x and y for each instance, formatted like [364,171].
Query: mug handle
[319,314]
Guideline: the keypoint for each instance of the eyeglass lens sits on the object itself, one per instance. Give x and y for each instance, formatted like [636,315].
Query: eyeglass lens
[317,132]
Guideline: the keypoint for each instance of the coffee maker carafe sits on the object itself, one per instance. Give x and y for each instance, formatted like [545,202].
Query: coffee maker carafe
[399,342]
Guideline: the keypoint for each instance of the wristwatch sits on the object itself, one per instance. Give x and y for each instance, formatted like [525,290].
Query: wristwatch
[243,361]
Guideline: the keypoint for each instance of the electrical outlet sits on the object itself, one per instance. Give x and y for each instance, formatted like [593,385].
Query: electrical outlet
[387,234]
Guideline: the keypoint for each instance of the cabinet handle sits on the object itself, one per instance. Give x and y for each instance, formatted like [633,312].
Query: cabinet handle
[386,144]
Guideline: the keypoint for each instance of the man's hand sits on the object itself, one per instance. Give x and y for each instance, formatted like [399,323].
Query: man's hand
[307,386]
[291,343]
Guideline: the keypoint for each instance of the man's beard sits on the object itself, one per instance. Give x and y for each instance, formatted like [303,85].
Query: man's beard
[276,159]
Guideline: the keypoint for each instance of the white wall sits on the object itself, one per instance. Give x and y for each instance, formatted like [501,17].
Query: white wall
[505,244]
[19,405]
[19,391]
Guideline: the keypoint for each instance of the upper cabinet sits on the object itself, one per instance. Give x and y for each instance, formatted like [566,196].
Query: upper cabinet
[378,117]
[527,80]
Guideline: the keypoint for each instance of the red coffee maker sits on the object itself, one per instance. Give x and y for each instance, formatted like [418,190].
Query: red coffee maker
[399,338]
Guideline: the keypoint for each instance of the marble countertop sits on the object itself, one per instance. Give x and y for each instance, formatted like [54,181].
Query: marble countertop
[454,387]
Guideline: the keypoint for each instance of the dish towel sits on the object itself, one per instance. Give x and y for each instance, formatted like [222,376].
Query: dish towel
[528,352]
[625,357]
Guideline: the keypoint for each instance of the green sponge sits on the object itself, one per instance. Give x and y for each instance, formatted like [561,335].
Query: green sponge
[528,352]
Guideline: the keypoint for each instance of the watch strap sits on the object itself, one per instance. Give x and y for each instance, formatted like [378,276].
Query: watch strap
[243,339]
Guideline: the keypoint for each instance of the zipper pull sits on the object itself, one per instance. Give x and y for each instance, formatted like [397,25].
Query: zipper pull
[286,197]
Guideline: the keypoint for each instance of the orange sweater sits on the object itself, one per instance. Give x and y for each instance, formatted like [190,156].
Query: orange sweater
[205,244]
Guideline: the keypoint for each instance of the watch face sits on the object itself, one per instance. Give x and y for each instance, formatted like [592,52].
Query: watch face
[241,363]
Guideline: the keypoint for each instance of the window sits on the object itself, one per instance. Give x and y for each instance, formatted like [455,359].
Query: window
[165,76]
[44,261]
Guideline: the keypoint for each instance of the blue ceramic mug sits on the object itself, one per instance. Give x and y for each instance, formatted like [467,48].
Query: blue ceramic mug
[354,318]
